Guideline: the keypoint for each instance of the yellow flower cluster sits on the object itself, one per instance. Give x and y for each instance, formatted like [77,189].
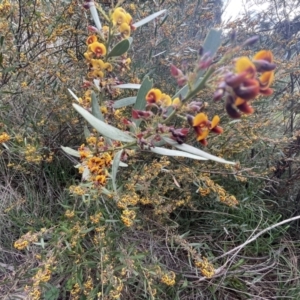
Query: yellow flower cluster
[211,186]
[97,165]
[25,240]
[95,219]
[123,21]
[88,286]
[5,7]
[155,96]
[4,137]
[98,66]
[118,287]
[86,100]
[33,155]
[42,275]
[77,190]
[69,214]
[75,291]
[131,198]
[203,191]
[169,278]
[206,268]
[128,217]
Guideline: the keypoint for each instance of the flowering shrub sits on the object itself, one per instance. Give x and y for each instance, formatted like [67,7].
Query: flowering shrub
[134,177]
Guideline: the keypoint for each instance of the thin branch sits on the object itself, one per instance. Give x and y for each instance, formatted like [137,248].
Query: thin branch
[238,248]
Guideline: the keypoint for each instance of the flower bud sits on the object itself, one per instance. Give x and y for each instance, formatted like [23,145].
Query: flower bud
[263,65]
[92,29]
[175,72]
[234,80]
[182,81]
[233,35]
[248,90]
[251,41]
[190,119]
[87,4]
[230,108]
[218,94]
[246,108]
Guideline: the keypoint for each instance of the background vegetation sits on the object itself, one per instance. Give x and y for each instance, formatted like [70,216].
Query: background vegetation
[58,243]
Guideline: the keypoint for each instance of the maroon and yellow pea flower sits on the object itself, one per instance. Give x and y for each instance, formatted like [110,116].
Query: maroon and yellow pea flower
[203,126]
[91,39]
[119,16]
[264,64]
[251,78]
[153,96]
[98,49]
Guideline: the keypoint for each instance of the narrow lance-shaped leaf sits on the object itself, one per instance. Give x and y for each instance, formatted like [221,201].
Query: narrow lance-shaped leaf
[86,132]
[170,152]
[103,128]
[96,108]
[124,102]
[70,151]
[95,16]
[133,86]
[149,18]
[115,166]
[140,103]
[73,95]
[196,151]
[98,114]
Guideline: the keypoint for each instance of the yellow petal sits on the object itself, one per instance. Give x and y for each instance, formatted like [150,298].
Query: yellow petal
[202,134]
[176,102]
[97,48]
[97,63]
[119,16]
[215,121]
[154,95]
[165,100]
[108,67]
[91,39]
[124,29]
[244,64]
[266,79]
[264,55]
[200,120]
[239,101]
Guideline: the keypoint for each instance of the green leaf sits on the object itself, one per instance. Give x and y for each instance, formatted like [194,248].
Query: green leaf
[169,152]
[115,166]
[196,151]
[73,95]
[70,151]
[9,69]
[140,103]
[149,18]
[120,48]
[1,40]
[86,132]
[124,102]
[52,293]
[103,128]
[134,86]
[212,41]
[96,112]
